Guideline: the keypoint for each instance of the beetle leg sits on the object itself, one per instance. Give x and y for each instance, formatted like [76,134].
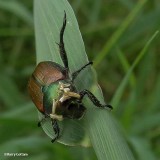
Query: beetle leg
[76,73]
[56,117]
[54,105]
[53,115]
[61,43]
[39,123]
[66,92]
[63,86]
[68,95]
[95,101]
[42,120]
[72,94]
[56,129]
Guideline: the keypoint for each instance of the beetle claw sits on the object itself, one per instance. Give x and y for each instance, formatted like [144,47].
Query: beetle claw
[108,106]
[53,140]
[39,124]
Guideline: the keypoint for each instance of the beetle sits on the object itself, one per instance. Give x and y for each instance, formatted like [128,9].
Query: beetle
[52,90]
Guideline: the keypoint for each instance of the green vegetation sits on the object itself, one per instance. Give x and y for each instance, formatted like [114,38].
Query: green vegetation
[121,38]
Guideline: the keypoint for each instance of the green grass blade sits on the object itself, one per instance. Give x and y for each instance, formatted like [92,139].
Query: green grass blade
[17,8]
[106,138]
[103,131]
[9,94]
[116,36]
[141,27]
[128,3]
[155,96]
[143,148]
[124,82]
[126,66]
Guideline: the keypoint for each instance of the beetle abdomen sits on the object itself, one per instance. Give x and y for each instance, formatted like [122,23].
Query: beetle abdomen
[44,74]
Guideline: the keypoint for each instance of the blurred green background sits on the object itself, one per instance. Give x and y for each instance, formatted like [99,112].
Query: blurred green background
[138,111]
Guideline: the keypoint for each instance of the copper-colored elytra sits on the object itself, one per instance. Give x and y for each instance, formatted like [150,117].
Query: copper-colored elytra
[36,94]
[47,72]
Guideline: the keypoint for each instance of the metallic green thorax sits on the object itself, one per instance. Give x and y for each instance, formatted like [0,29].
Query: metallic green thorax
[51,93]
[61,101]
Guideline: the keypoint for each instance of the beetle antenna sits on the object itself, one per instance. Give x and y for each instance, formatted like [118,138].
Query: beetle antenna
[61,43]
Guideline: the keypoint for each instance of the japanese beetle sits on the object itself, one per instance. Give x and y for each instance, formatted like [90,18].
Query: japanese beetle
[52,90]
